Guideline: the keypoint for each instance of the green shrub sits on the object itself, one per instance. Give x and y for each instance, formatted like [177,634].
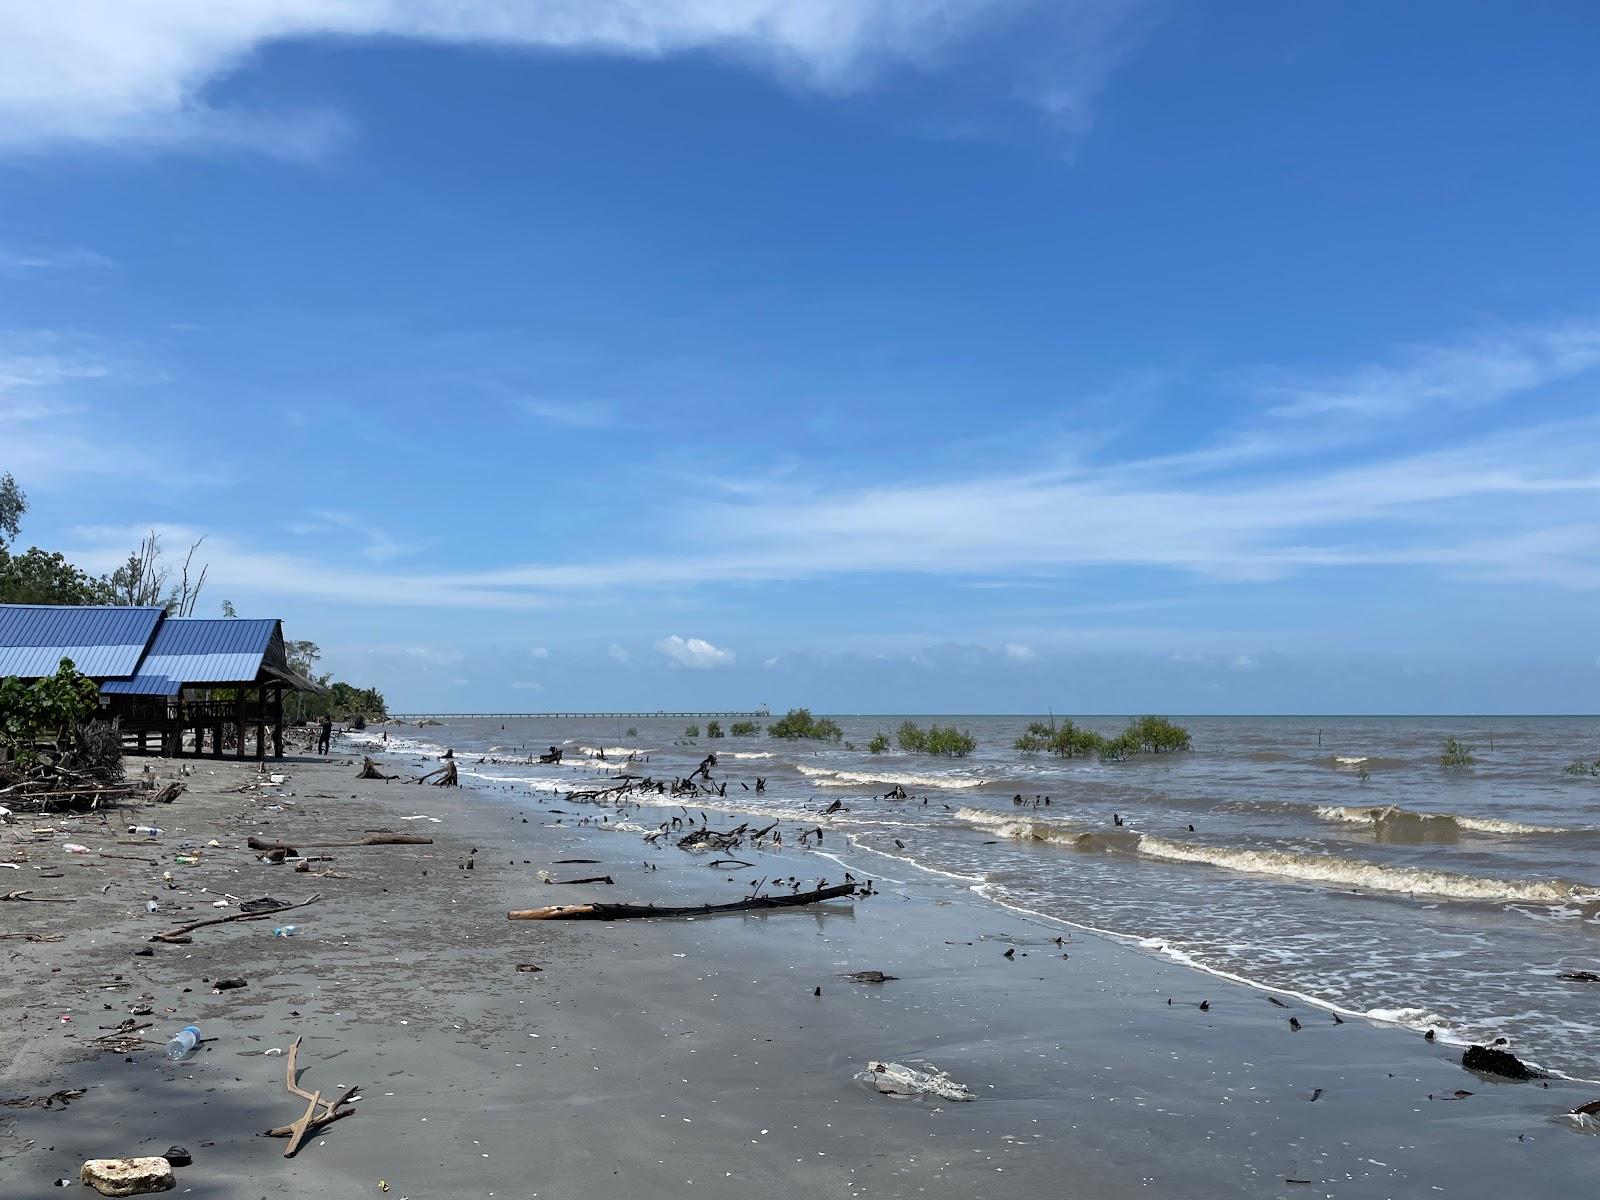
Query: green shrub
[1456,754]
[45,711]
[1157,735]
[799,723]
[1120,748]
[910,736]
[632,732]
[943,740]
[1578,767]
[1036,739]
[692,732]
[713,729]
[744,729]
[878,744]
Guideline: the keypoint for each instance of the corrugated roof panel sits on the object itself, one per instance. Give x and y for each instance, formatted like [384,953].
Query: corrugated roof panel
[190,651]
[102,642]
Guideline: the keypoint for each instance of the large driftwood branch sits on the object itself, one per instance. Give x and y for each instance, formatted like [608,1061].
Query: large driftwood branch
[182,932]
[618,912]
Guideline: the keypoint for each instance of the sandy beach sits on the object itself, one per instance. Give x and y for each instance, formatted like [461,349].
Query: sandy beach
[671,1057]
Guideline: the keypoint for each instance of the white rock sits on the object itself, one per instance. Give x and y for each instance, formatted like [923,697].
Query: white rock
[127,1176]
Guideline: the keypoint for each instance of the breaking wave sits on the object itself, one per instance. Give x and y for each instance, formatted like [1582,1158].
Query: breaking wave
[1390,814]
[829,778]
[1328,869]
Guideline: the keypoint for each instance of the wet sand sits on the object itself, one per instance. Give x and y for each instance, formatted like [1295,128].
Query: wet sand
[678,1058]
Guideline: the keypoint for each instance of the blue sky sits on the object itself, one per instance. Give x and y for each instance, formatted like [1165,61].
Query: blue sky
[877,356]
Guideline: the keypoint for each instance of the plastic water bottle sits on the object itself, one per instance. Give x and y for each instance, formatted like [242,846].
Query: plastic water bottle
[286,931]
[151,906]
[144,830]
[183,1042]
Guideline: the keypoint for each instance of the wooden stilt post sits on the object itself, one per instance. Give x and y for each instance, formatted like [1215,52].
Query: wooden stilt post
[277,721]
[261,722]
[238,719]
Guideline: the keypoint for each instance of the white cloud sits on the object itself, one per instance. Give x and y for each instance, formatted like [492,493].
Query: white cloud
[140,71]
[16,263]
[538,652]
[526,685]
[772,662]
[617,654]
[1243,662]
[1019,653]
[694,652]
[1482,371]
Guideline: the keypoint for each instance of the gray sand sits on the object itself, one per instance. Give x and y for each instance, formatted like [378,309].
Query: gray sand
[689,1057]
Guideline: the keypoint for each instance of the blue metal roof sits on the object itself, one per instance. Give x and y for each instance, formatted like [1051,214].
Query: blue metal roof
[189,651]
[102,642]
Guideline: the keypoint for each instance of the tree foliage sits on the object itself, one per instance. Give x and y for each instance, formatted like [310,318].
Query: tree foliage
[1144,735]
[713,729]
[744,729]
[146,580]
[879,743]
[936,739]
[44,577]
[1457,754]
[12,505]
[44,712]
[693,731]
[799,723]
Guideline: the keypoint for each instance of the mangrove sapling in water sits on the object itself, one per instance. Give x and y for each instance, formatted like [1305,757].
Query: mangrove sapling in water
[1457,754]
[799,723]
[947,741]
[879,743]
[714,729]
[744,729]
[692,731]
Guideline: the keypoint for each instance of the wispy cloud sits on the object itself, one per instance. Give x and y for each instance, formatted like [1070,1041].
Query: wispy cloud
[1483,371]
[379,545]
[1019,653]
[17,263]
[694,652]
[140,73]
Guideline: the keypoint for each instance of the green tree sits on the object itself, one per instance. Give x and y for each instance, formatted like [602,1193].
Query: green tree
[799,723]
[44,712]
[879,743]
[12,505]
[1457,754]
[44,577]
[692,731]
[713,729]
[744,729]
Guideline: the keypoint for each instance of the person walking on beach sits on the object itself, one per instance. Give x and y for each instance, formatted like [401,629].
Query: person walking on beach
[324,734]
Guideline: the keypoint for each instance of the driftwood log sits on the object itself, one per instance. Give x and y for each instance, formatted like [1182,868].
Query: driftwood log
[619,912]
[371,839]
[181,933]
[371,770]
[311,1119]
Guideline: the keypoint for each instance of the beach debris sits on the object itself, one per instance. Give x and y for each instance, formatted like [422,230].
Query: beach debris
[870,977]
[1010,953]
[178,1156]
[566,861]
[616,912]
[586,879]
[898,1079]
[228,985]
[1275,1000]
[311,1119]
[446,776]
[529,968]
[371,770]
[1579,977]
[180,934]
[1294,1024]
[127,1176]
[27,894]
[1489,1061]
[1591,1109]
[63,1098]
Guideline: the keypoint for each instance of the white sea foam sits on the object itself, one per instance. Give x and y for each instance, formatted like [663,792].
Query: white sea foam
[1306,868]
[748,754]
[1350,760]
[1348,872]
[1390,814]
[830,778]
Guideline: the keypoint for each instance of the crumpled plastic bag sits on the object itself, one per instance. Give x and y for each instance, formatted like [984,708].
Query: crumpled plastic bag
[897,1079]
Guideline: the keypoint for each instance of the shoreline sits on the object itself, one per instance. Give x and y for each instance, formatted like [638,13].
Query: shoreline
[645,1055]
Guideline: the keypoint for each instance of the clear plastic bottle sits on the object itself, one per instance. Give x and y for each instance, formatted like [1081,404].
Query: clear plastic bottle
[286,931]
[150,905]
[183,1042]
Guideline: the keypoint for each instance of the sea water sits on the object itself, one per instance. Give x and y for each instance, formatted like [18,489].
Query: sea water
[1330,857]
